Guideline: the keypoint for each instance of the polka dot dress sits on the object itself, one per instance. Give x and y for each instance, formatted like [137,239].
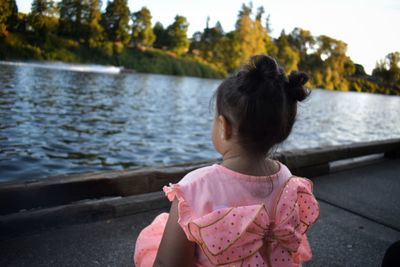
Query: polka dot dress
[248,235]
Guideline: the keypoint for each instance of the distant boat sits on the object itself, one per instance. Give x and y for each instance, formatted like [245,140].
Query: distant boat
[124,70]
[67,66]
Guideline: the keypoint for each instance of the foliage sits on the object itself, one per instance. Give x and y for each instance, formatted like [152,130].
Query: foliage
[359,71]
[12,19]
[157,61]
[209,44]
[388,69]
[249,37]
[115,21]
[8,16]
[73,14]
[177,40]
[42,19]
[287,55]
[142,32]
[161,36]
[95,35]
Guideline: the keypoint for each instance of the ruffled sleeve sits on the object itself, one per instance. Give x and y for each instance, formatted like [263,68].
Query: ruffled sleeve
[184,210]
[298,207]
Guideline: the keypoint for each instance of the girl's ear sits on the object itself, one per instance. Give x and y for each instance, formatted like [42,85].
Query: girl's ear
[225,128]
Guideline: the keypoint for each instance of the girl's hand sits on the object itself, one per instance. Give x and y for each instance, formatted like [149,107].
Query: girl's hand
[175,249]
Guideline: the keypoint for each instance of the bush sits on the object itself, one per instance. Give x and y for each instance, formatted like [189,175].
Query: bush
[157,61]
[62,55]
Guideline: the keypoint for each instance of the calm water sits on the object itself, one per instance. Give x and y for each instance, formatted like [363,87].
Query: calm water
[55,121]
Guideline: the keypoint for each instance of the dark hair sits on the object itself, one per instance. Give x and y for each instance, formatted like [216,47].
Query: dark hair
[260,101]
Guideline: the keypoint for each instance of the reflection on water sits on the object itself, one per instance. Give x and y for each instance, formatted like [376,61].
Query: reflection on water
[57,121]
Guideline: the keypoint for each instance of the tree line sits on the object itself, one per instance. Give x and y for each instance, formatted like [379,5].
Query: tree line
[116,30]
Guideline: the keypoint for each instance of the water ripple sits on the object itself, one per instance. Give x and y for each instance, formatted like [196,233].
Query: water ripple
[56,121]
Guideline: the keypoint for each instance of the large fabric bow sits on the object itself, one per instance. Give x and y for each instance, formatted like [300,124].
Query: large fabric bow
[248,235]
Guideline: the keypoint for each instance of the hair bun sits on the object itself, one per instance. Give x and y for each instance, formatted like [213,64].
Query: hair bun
[295,87]
[256,72]
[264,67]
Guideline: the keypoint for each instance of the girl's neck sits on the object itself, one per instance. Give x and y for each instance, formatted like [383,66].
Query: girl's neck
[254,165]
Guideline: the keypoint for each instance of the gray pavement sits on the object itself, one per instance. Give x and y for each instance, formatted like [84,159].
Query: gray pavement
[359,220]
[372,191]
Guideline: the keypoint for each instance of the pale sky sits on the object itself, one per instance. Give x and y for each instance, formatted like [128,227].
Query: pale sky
[369,27]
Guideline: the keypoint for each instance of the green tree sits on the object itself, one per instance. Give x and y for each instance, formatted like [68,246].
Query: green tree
[142,32]
[388,69]
[177,35]
[8,16]
[95,34]
[394,66]
[304,43]
[250,37]
[302,40]
[209,44]
[270,46]
[359,70]
[287,55]
[42,18]
[43,8]
[74,16]
[337,65]
[260,33]
[195,45]
[161,41]
[115,21]
[231,51]
[12,20]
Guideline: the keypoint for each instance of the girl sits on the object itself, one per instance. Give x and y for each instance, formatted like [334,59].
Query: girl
[249,210]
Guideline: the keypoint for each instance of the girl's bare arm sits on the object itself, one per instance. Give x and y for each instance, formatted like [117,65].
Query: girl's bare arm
[175,249]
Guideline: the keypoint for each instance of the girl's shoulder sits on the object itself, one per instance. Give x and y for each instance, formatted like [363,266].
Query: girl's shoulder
[198,174]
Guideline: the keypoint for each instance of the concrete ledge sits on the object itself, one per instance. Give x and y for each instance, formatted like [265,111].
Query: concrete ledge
[81,212]
[317,156]
[65,189]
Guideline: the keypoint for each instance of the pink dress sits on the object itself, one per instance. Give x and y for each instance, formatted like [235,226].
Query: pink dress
[237,219]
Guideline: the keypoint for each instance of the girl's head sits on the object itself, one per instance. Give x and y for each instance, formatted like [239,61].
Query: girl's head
[258,104]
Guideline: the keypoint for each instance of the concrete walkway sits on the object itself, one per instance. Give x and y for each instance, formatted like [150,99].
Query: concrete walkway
[360,218]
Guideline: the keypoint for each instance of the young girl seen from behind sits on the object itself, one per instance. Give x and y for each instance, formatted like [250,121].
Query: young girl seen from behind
[249,210]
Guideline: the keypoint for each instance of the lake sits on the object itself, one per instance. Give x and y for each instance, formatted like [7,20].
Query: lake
[57,121]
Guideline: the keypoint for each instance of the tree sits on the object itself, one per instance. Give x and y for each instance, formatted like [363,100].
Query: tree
[270,46]
[209,42]
[142,32]
[161,36]
[231,50]
[249,36]
[287,55]
[8,16]
[43,7]
[195,46]
[74,15]
[304,43]
[177,38]
[302,40]
[41,17]
[337,65]
[95,33]
[12,20]
[115,21]
[388,69]
[359,70]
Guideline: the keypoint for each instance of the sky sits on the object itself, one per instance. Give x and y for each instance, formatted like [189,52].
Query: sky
[369,27]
